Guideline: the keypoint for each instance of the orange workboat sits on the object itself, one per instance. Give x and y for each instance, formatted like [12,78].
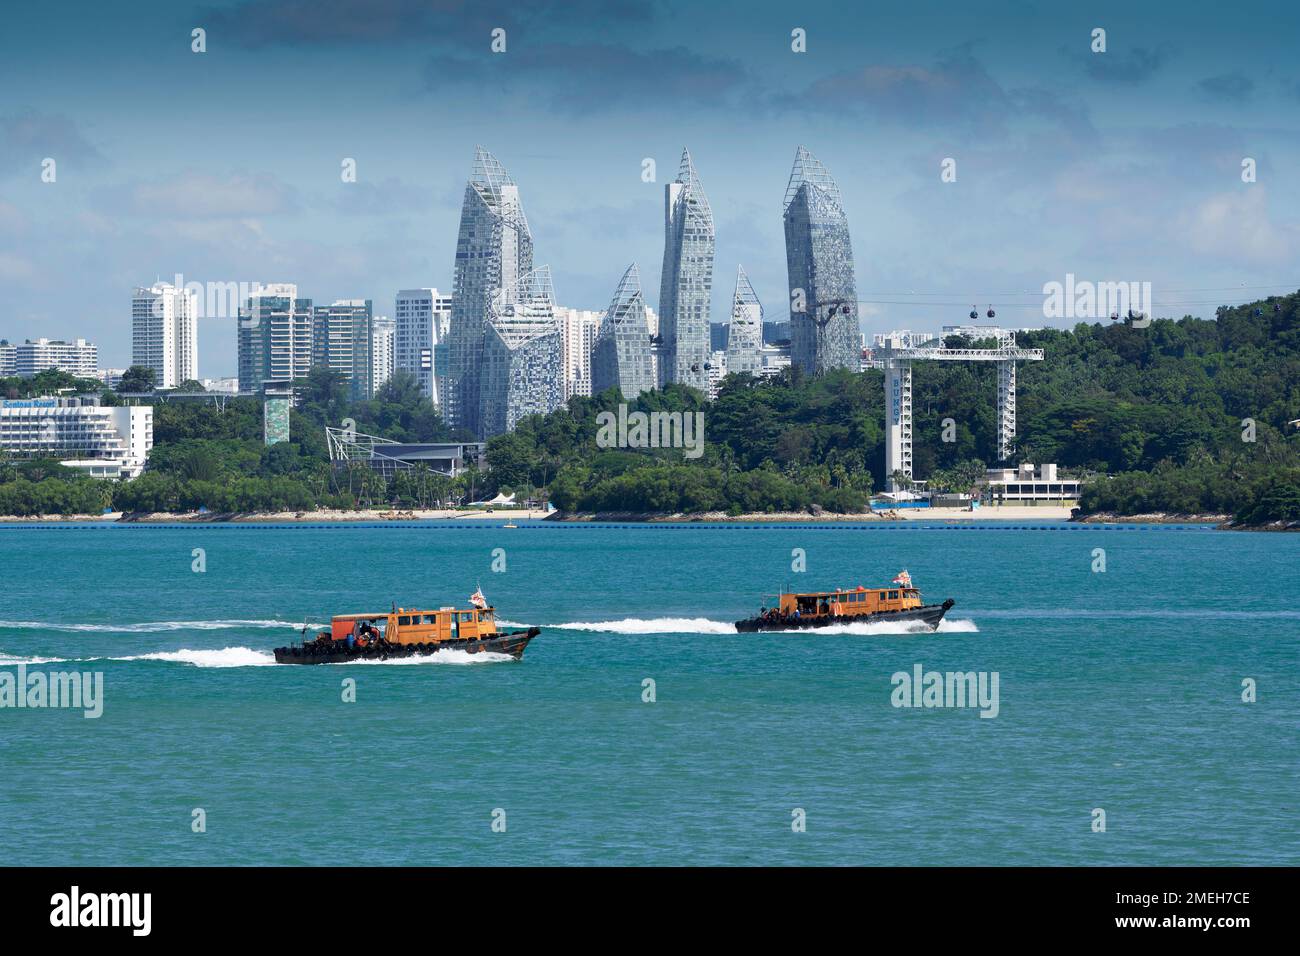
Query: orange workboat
[409,632]
[812,609]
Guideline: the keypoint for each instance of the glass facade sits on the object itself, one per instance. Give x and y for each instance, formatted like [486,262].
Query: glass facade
[494,251]
[819,261]
[745,334]
[275,337]
[342,341]
[686,285]
[621,356]
[521,369]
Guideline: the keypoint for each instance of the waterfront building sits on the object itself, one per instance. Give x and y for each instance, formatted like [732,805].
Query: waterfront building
[381,348]
[621,356]
[421,318]
[386,457]
[578,331]
[102,441]
[819,262]
[33,356]
[522,370]
[165,333]
[1021,486]
[494,252]
[341,342]
[745,333]
[275,336]
[686,283]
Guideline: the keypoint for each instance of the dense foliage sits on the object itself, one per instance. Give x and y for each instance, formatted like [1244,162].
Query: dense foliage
[1187,416]
[1182,416]
[209,455]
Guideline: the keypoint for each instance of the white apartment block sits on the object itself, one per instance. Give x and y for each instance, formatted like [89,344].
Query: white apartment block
[78,357]
[382,350]
[102,441]
[717,371]
[421,319]
[165,333]
[578,330]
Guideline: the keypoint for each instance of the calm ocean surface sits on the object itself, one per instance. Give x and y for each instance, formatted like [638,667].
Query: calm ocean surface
[1118,690]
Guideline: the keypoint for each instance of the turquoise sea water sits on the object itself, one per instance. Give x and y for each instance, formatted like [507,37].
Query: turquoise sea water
[1118,690]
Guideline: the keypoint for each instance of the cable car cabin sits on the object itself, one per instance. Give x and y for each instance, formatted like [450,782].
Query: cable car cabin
[849,603]
[410,626]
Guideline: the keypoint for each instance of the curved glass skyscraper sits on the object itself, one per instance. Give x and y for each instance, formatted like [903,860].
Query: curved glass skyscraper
[522,370]
[622,352]
[819,261]
[494,251]
[687,280]
[745,334]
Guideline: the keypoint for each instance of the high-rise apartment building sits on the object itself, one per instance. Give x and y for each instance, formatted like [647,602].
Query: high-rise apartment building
[745,334]
[165,333]
[275,336]
[494,252]
[341,342]
[382,349]
[686,284]
[522,371]
[819,261]
[622,355]
[578,329]
[79,357]
[422,318]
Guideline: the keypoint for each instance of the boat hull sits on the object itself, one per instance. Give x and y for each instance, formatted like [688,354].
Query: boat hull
[513,644]
[927,614]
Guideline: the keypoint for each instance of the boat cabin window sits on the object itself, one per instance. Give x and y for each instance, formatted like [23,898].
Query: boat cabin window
[893,595]
[430,619]
[465,615]
[404,619]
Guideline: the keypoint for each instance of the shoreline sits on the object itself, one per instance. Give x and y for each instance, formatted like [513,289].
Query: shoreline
[950,516]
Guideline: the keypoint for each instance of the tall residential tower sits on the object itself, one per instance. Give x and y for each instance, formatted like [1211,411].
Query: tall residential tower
[622,356]
[494,251]
[745,334]
[165,333]
[686,283]
[819,261]
[421,317]
[522,370]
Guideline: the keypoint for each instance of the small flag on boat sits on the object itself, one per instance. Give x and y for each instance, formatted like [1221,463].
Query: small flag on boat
[477,599]
[903,578]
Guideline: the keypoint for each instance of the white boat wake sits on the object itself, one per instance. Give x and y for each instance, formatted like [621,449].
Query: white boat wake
[153,627]
[703,625]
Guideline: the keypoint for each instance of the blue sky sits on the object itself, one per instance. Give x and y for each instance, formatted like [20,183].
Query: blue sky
[225,166]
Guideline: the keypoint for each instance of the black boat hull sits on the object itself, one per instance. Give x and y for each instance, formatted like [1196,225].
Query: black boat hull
[336,652]
[928,614]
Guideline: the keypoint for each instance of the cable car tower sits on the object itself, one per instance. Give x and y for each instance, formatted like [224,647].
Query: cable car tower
[898,350]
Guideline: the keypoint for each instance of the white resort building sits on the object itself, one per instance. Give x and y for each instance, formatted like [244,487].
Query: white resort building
[102,441]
